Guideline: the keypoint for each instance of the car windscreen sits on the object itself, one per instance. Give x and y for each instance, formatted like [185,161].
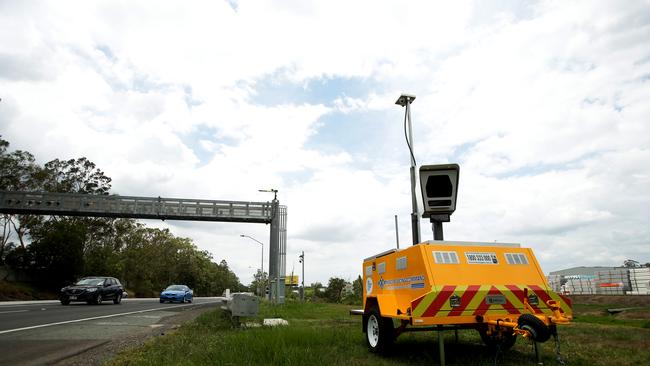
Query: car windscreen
[90,282]
[175,288]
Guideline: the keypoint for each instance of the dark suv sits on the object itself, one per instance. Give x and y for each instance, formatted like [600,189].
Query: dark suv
[93,290]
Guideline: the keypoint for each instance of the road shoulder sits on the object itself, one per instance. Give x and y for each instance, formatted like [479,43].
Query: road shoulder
[99,354]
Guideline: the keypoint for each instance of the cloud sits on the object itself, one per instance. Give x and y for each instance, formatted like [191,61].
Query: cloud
[543,104]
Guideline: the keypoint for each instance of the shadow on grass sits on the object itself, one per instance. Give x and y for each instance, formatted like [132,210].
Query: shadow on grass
[423,351]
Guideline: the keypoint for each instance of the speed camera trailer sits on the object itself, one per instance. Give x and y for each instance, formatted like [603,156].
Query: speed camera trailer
[497,289]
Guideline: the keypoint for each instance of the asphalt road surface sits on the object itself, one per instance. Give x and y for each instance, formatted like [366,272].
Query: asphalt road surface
[45,332]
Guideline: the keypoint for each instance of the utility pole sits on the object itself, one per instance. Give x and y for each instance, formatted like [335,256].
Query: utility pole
[405,100]
[302,260]
[262,264]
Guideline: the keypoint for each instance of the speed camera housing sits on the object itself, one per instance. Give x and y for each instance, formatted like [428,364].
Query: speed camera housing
[439,184]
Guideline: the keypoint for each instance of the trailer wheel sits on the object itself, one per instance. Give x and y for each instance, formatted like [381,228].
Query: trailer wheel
[503,341]
[379,332]
[538,330]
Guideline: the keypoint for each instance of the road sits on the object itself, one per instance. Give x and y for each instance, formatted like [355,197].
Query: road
[28,315]
[45,332]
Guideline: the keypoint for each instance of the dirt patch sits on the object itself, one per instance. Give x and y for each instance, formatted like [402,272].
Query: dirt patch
[635,314]
[619,300]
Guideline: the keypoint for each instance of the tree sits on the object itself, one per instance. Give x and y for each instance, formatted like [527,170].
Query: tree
[357,288]
[94,244]
[18,172]
[334,290]
[18,169]
[57,257]
[260,282]
[75,176]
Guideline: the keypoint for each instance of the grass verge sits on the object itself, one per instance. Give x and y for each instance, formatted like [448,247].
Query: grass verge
[22,291]
[324,334]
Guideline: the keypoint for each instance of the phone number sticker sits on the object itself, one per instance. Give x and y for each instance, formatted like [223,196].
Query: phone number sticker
[481,258]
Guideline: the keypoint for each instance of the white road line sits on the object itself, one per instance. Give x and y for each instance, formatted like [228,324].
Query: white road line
[32,302]
[13,311]
[131,299]
[98,317]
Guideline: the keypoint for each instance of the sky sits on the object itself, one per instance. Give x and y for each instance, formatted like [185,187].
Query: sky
[545,105]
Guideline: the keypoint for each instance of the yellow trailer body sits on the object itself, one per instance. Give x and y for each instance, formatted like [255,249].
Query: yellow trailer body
[461,283]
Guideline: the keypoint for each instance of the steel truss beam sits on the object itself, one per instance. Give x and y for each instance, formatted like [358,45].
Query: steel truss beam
[74,204]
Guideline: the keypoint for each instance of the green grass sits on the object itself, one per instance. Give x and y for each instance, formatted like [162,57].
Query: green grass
[597,314]
[324,334]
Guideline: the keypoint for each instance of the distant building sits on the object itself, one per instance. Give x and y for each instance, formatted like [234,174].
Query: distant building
[581,271]
[592,280]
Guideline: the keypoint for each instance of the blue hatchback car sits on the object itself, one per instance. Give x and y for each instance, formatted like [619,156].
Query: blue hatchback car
[177,293]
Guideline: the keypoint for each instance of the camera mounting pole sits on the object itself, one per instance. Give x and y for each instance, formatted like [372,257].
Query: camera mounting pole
[405,100]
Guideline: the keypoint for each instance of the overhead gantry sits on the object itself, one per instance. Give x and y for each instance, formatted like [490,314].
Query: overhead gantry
[88,205]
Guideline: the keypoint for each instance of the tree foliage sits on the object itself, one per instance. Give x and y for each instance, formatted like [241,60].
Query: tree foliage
[260,282]
[56,249]
[357,288]
[18,171]
[334,291]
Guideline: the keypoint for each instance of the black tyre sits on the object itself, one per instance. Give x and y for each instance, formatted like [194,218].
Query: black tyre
[65,302]
[538,330]
[99,299]
[162,301]
[501,340]
[380,333]
[117,299]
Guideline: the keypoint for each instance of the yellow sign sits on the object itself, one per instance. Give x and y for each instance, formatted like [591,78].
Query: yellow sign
[291,280]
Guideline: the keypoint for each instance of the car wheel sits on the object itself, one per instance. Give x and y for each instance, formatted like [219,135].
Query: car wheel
[380,334]
[99,299]
[65,302]
[118,299]
[162,301]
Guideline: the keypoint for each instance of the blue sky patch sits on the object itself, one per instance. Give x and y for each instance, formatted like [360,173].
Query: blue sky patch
[277,90]
[193,141]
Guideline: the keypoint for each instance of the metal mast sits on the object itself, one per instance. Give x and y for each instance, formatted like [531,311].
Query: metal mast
[405,100]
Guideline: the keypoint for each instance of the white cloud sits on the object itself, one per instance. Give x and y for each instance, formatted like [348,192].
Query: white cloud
[543,104]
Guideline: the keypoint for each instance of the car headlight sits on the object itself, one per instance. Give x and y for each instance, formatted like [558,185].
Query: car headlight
[92,289]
